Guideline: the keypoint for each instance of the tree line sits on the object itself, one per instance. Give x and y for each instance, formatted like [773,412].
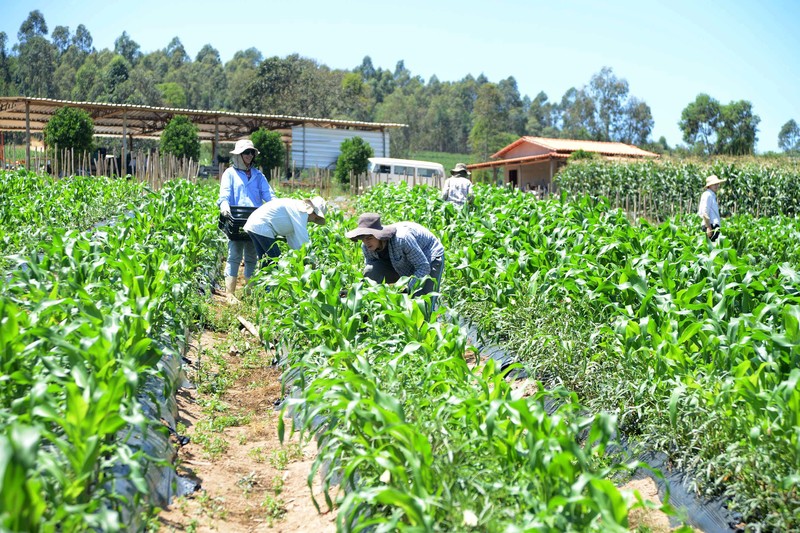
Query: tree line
[469,116]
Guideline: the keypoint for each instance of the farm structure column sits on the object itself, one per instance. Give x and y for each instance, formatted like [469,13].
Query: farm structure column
[27,134]
[124,164]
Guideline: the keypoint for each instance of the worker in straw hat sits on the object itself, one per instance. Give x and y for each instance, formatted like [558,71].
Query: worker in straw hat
[241,184]
[709,209]
[457,188]
[400,249]
[283,217]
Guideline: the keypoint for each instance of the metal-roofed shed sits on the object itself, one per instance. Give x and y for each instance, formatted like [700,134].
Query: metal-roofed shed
[30,115]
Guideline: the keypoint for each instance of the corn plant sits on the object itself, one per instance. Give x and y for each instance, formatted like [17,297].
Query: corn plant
[84,324]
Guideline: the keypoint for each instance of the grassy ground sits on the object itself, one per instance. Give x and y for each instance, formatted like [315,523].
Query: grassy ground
[446,159]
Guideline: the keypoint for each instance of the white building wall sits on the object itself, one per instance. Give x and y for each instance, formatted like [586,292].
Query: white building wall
[319,147]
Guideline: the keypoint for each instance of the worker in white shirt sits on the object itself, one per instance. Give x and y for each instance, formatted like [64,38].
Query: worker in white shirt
[457,188]
[709,208]
[283,217]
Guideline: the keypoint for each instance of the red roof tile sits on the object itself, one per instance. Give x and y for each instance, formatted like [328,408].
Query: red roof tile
[525,159]
[567,146]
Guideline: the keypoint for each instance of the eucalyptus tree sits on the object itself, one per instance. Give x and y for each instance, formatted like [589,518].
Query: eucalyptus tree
[490,125]
[143,90]
[74,50]
[637,124]
[577,115]
[402,107]
[33,26]
[156,62]
[207,83]
[512,105]
[65,73]
[36,57]
[294,85]
[467,91]
[127,48]
[240,72]
[178,63]
[115,76]
[176,53]
[381,82]
[82,39]
[789,137]
[711,128]
[542,117]
[88,81]
[61,39]
[737,133]
[609,94]
[6,81]
[172,94]
[357,102]
[699,122]
[402,76]
[447,122]
[366,69]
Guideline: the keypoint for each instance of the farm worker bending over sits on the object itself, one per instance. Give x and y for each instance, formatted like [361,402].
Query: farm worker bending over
[283,217]
[458,187]
[401,249]
[244,185]
[709,209]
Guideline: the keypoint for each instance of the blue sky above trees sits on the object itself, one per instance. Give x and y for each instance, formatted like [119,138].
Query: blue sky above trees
[668,51]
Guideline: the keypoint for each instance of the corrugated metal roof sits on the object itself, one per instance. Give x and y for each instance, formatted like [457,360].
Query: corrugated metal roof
[572,145]
[146,121]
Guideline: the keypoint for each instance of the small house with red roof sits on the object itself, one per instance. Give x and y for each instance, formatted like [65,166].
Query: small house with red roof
[530,163]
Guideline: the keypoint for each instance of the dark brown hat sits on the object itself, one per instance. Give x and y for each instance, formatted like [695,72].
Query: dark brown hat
[370,224]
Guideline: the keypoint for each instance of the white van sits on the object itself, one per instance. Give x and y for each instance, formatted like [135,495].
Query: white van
[390,170]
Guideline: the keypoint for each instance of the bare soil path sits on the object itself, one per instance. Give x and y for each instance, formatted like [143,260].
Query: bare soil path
[249,481]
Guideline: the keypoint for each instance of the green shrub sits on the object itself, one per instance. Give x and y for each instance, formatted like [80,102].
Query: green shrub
[270,148]
[70,128]
[354,156]
[180,138]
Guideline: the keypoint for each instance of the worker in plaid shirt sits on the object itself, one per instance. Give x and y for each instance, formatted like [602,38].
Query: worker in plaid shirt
[401,249]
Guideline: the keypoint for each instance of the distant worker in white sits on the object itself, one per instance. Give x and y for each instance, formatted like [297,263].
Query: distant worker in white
[458,187]
[709,209]
[283,217]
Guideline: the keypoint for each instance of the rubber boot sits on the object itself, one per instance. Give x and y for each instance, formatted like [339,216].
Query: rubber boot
[230,289]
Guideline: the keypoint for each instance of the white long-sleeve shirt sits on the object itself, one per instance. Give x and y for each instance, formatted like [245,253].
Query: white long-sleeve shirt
[457,189]
[708,208]
[284,217]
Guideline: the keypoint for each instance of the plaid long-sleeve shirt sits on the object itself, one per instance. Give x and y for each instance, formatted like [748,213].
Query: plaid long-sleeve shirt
[411,251]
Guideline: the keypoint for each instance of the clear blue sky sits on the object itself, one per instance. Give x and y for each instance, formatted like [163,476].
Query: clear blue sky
[668,51]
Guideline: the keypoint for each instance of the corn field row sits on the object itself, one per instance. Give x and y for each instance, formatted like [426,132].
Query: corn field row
[657,191]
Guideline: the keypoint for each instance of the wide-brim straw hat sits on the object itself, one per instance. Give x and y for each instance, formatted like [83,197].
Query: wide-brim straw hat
[370,224]
[242,145]
[713,180]
[460,168]
[318,206]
